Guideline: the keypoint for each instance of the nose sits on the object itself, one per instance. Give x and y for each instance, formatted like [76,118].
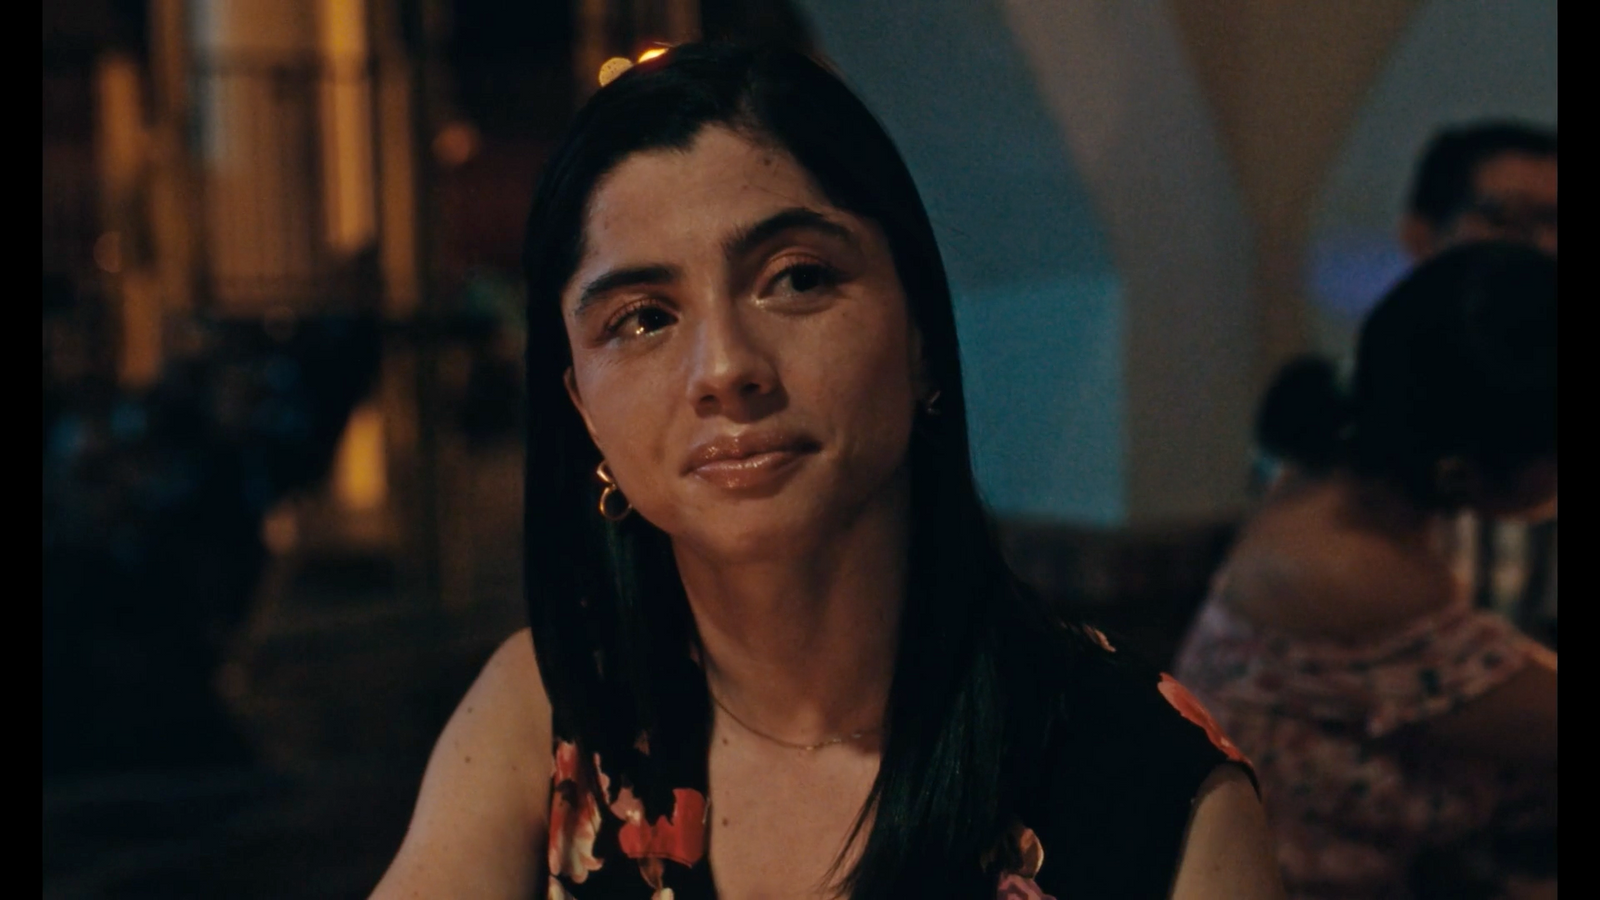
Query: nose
[731,374]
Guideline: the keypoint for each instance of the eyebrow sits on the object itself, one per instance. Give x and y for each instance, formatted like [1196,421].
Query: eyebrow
[740,243]
[621,278]
[749,238]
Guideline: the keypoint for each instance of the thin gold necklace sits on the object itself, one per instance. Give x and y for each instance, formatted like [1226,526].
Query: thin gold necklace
[852,736]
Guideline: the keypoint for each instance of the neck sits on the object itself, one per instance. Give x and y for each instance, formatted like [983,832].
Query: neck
[801,645]
[1379,506]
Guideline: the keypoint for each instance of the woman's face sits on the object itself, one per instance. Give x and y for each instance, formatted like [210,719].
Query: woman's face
[742,351]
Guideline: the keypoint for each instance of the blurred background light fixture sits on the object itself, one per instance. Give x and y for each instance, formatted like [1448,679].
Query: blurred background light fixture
[108,252]
[280,529]
[611,68]
[359,481]
[456,144]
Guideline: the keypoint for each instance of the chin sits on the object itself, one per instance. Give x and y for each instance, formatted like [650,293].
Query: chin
[761,527]
[744,537]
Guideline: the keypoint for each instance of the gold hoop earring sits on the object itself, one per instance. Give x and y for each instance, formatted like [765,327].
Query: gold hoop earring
[603,472]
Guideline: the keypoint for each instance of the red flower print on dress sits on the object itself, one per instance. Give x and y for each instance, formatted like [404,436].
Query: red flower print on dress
[653,872]
[1191,709]
[680,837]
[574,820]
[1099,637]
[1015,887]
[627,807]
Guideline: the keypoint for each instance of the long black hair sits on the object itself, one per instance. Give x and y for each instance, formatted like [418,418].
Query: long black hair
[1457,361]
[611,625]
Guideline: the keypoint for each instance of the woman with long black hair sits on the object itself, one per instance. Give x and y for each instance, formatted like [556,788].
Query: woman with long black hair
[774,647]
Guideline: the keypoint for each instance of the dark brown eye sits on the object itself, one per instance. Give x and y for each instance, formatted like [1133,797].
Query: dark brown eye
[639,319]
[808,277]
[653,318]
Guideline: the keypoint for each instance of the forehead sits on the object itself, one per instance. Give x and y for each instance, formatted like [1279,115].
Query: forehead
[665,201]
[1520,175]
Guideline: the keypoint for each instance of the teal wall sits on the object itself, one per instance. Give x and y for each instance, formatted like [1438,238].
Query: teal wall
[1038,298]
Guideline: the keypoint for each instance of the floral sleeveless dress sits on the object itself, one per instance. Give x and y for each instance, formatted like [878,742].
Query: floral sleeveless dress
[1107,818]
[1352,804]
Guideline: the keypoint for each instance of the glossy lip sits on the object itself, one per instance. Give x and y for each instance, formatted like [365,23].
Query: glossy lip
[748,460]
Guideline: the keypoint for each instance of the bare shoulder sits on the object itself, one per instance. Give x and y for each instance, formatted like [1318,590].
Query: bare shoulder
[510,681]
[507,706]
[479,823]
[1227,852]
[1297,571]
[1515,722]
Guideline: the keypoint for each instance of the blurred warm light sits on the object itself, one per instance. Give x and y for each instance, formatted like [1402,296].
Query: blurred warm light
[139,363]
[346,109]
[360,479]
[108,252]
[652,53]
[455,144]
[280,530]
[611,68]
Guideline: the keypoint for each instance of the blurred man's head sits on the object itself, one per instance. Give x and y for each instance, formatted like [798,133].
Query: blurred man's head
[1484,181]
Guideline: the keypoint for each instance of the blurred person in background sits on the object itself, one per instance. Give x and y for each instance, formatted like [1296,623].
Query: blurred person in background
[1393,724]
[153,505]
[775,650]
[1487,180]
[1493,180]
[1483,181]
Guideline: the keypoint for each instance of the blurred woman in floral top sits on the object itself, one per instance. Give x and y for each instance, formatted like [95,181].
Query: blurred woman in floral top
[1395,726]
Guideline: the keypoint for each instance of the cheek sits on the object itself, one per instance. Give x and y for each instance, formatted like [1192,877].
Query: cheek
[1471,228]
[867,376]
[624,412]
[1474,227]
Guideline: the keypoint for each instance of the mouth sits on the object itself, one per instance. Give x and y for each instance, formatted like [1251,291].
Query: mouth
[753,459]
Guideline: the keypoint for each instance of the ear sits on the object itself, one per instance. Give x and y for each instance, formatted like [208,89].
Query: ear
[571,382]
[1418,236]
